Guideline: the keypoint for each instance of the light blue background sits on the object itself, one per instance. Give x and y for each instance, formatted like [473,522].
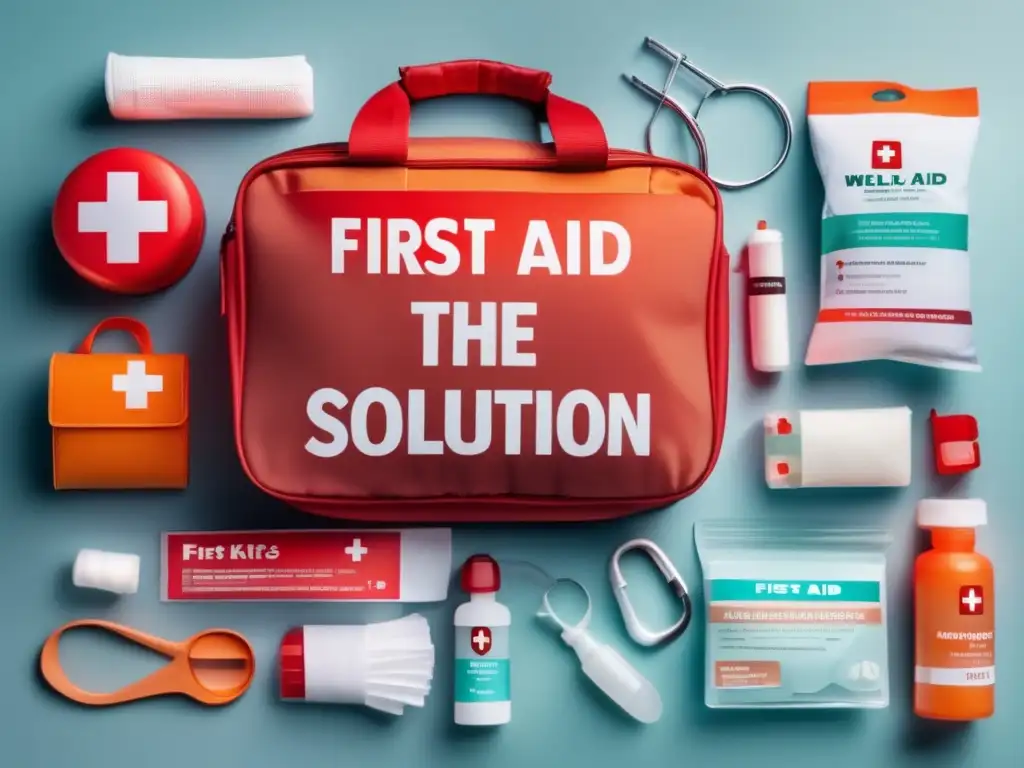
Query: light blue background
[53,117]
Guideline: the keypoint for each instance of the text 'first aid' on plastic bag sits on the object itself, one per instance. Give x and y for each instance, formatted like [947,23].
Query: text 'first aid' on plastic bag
[895,267]
[795,614]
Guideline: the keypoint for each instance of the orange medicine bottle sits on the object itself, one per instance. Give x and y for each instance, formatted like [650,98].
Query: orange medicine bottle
[954,612]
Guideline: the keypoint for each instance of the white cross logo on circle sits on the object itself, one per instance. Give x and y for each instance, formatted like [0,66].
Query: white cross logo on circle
[886,152]
[972,601]
[137,385]
[123,217]
[480,640]
[356,551]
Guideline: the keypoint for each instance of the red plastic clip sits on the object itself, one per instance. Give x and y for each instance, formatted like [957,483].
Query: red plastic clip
[955,443]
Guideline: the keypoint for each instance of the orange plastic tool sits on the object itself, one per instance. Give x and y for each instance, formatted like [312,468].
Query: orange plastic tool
[213,667]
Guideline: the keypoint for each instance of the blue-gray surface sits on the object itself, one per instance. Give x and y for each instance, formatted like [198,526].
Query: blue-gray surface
[52,54]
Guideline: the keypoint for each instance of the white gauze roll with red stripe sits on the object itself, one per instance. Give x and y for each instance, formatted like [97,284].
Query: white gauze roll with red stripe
[165,88]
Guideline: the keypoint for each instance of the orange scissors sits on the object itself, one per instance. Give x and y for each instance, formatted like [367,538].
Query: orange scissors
[213,667]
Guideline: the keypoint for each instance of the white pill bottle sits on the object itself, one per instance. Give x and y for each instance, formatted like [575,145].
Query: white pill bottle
[483,693]
[766,304]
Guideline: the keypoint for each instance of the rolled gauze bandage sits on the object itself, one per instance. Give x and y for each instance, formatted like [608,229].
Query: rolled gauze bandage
[159,88]
[109,571]
[837,448]
[386,666]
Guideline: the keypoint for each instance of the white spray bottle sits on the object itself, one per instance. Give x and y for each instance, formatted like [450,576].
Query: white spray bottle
[766,303]
[483,693]
[605,666]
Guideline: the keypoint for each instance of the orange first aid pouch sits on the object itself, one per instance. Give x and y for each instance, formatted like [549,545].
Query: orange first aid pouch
[120,421]
[476,330]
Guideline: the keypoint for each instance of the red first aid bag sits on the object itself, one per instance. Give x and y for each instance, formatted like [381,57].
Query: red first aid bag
[476,330]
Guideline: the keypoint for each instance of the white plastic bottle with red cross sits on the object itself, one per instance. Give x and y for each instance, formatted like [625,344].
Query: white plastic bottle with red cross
[482,672]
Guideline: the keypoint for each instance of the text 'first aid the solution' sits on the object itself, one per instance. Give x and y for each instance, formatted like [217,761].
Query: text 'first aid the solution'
[614,425]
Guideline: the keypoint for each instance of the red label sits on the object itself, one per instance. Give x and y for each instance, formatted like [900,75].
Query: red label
[536,344]
[283,565]
[886,155]
[895,315]
[972,600]
[481,640]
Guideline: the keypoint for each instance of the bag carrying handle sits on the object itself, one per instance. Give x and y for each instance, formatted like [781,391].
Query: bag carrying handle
[129,325]
[380,131]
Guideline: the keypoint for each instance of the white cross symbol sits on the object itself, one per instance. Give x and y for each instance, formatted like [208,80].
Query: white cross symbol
[886,152]
[972,600]
[136,385]
[356,551]
[480,640]
[123,217]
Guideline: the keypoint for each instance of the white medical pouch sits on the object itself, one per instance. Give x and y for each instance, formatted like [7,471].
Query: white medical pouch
[895,266]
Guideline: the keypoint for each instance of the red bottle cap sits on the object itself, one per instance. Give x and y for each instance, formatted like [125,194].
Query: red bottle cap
[480,574]
[292,665]
[955,443]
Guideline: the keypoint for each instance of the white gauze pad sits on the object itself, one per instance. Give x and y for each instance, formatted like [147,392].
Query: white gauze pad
[110,571]
[837,448]
[160,88]
[895,268]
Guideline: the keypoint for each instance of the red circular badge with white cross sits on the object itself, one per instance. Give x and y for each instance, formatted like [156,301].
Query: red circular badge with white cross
[129,221]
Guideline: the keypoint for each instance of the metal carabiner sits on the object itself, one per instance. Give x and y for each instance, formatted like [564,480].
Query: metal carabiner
[641,634]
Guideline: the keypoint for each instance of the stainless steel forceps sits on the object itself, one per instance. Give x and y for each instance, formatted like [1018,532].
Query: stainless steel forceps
[716,88]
